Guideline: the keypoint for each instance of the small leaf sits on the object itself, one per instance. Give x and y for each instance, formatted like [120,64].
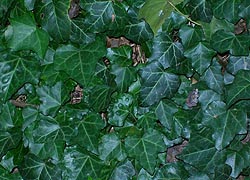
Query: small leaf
[223,41]
[123,171]
[26,36]
[225,123]
[145,149]
[236,63]
[239,89]
[208,96]
[157,83]
[201,56]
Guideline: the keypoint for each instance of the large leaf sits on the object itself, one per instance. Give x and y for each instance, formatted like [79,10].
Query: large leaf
[54,17]
[79,63]
[167,52]
[155,12]
[88,131]
[145,149]
[157,83]
[239,89]
[201,56]
[34,168]
[226,124]
[26,36]
[15,71]
[223,41]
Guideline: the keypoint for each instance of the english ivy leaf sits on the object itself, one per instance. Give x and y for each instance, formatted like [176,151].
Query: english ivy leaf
[79,63]
[54,17]
[214,78]
[238,160]
[223,41]
[225,123]
[120,109]
[239,89]
[123,171]
[88,131]
[34,168]
[144,175]
[201,56]
[26,36]
[208,96]
[222,172]
[146,148]
[167,52]
[201,153]
[156,12]
[81,164]
[236,63]
[52,98]
[157,83]
[6,175]
[200,9]
[244,10]
[15,71]
[174,21]
[227,9]
[190,35]
[111,148]
[147,120]
[29,4]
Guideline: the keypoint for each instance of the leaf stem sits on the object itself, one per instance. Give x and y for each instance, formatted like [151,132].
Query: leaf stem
[183,14]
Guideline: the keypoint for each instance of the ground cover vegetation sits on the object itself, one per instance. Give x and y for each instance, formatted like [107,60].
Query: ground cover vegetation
[124,89]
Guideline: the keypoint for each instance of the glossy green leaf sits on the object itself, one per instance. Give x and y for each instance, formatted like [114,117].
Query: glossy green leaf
[157,83]
[167,52]
[123,171]
[239,89]
[145,149]
[34,168]
[223,41]
[120,109]
[236,63]
[55,20]
[208,96]
[155,12]
[111,148]
[201,56]
[147,120]
[225,123]
[81,164]
[214,78]
[16,71]
[88,131]
[79,63]
[26,36]
[201,152]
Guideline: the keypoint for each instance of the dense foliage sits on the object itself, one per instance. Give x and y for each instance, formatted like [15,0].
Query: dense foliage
[79,102]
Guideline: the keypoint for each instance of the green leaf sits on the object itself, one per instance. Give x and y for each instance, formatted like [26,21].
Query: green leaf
[120,109]
[88,131]
[208,96]
[239,89]
[225,123]
[236,63]
[111,148]
[81,164]
[26,36]
[167,52]
[237,45]
[34,168]
[123,171]
[145,149]
[16,71]
[214,78]
[201,56]
[5,175]
[52,98]
[55,20]
[155,12]
[79,63]
[157,83]
[201,153]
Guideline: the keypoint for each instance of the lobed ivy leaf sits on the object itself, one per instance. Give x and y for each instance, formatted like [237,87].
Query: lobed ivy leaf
[223,41]
[123,171]
[79,63]
[236,63]
[225,123]
[157,83]
[26,36]
[145,149]
[240,91]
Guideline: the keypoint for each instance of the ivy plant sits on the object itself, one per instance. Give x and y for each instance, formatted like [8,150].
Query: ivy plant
[123,89]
